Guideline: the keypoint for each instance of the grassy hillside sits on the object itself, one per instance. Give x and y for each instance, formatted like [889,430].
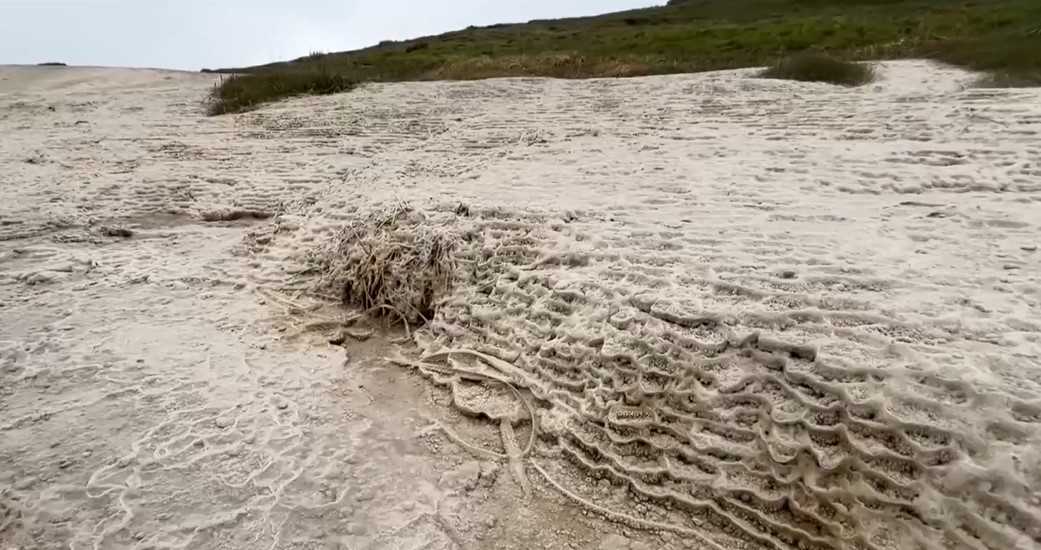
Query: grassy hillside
[1000,36]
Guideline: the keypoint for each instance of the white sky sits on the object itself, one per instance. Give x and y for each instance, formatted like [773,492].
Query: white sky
[191,34]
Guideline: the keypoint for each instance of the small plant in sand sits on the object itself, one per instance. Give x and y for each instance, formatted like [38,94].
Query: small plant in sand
[818,67]
[393,262]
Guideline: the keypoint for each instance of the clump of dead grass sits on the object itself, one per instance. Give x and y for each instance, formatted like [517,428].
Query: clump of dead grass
[395,263]
[233,214]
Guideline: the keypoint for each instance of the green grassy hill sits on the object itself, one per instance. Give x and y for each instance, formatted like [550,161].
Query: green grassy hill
[999,36]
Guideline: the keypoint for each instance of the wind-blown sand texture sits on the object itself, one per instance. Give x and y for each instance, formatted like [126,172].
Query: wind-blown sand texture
[742,314]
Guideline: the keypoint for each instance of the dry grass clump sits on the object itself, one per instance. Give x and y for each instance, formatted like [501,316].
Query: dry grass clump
[394,262]
[233,214]
[817,67]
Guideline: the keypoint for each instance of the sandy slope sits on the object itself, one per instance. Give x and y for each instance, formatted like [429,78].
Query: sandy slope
[628,236]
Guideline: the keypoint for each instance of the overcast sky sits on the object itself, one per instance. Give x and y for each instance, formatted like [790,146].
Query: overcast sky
[192,34]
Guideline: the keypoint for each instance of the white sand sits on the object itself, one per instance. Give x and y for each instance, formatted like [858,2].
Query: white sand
[628,234]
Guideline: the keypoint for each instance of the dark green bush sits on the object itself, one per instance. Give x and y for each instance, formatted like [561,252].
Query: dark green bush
[1011,60]
[817,67]
[239,93]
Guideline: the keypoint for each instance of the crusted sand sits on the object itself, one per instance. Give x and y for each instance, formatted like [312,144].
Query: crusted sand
[745,314]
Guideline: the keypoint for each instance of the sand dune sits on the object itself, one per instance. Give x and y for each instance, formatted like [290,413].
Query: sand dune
[745,314]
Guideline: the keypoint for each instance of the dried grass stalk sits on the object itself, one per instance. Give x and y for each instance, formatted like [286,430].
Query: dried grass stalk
[392,261]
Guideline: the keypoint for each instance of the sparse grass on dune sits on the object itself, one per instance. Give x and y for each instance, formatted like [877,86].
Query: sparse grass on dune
[817,67]
[554,65]
[1001,37]
[238,93]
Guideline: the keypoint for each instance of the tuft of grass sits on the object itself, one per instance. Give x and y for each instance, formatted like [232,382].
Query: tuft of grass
[391,261]
[238,93]
[818,67]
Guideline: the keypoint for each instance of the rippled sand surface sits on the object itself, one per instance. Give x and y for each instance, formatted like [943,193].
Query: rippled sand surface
[744,314]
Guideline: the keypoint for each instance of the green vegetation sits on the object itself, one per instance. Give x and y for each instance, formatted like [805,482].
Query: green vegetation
[238,93]
[1010,60]
[1002,37]
[816,67]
